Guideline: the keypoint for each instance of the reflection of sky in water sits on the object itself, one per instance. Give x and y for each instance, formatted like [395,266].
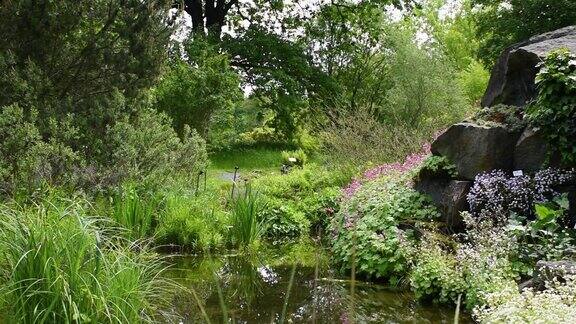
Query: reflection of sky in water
[254,292]
[268,275]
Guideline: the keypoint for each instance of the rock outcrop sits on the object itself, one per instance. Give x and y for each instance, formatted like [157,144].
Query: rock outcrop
[531,151]
[475,148]
[449,196]
[512,79]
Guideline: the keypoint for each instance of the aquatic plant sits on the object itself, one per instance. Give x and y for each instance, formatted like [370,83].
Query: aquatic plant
[135,212]
[193,223]
[246,226]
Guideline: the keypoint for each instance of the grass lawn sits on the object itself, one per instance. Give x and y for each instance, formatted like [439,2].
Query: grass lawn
[248,160]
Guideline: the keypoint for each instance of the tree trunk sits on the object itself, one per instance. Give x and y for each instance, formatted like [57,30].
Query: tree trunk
[196,12]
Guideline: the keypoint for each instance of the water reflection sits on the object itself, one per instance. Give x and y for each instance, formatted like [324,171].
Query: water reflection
[253,291]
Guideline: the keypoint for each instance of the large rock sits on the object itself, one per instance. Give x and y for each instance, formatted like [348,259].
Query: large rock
[547,271]
[474,148]
[531,151]
[449,196]
[512,79]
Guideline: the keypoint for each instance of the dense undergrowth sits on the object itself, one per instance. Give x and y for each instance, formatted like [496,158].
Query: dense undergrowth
[124,134]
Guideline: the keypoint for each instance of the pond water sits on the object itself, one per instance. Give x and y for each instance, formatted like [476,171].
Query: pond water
[259,289]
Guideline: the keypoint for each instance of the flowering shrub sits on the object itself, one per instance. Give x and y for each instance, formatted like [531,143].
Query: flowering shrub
[477,264]
[377,228]
[495,193]
[556,304]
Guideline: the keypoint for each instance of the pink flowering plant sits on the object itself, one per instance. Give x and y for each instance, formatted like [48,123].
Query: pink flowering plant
[388,169]
[376,227]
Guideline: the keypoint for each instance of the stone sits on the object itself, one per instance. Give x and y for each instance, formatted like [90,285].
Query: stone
[546,271]
[455,202]
[475,148]
[526,284]
[449,196]
[512,79]
[531,151]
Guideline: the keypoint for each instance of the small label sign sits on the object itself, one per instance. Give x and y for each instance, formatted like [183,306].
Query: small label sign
[293,160]
[518,173]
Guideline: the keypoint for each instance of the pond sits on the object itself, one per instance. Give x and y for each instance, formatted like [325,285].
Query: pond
[259,289]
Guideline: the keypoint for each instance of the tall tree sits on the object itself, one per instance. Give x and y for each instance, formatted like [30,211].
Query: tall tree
[502,23]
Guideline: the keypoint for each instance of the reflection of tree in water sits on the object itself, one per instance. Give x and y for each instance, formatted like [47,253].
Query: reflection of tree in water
[255,293]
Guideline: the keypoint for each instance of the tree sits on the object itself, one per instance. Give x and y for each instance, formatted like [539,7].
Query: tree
[197,88]
[502,23]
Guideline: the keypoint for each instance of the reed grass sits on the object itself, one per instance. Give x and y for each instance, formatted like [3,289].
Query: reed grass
[60,265]
[135,212]
[246,226]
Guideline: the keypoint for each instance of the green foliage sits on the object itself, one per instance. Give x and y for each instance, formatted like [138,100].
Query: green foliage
[285,221]
[85,50]
[555,304]
[424,93]
[510,117]
[555,109]
[246,224]
[25,160]
[502,23]
[474,80]
[436,275]
[58,265]
[201,92]
[135,212]
[193,223]
[377,228]
[148,150]
[76,87]
[437,167]
[455,35]
[357,139]
[299,202]
[299,156]
[543,238]
[477,263]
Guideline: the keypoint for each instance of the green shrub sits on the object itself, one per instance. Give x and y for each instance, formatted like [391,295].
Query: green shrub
[376,229]
[435,274]
[475,265]
[556,304]
[299,202]
[147,150]
[26,161]
[473,80]
[285,221]
[58,266]
[438,167]
[298,156]
[555,108]
[194,223]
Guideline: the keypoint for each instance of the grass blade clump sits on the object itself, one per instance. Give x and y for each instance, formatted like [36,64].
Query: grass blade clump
[135,212]
[246,225]
[58,266]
